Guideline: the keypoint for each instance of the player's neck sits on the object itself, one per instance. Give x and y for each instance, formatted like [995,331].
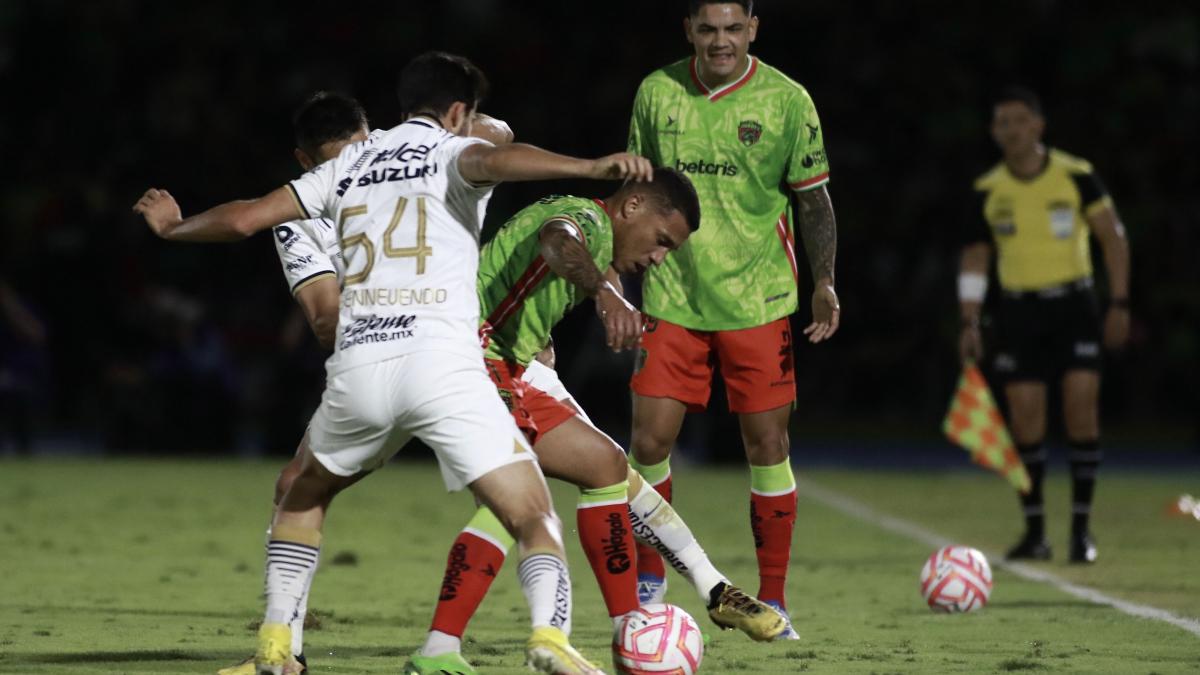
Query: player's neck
[714,82]
[1027,164]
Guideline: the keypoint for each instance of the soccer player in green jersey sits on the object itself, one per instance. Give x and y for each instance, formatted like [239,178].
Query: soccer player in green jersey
[546,259]
[749,138]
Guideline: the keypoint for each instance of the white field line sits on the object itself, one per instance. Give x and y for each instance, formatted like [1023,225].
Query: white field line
[857,509]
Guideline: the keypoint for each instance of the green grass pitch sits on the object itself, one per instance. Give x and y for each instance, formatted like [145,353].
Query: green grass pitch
[128,566]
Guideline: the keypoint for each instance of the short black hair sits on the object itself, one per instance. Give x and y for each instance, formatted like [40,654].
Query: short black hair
[1018,94]
[671,191]
[434,81]
[693,6]
[326,116]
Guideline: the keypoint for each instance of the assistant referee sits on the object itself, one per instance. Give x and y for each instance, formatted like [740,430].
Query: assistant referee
[1036,209]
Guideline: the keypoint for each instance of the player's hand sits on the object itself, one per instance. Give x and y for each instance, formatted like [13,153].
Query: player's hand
[1116,328]
[622,166]
[827,314]
[970,343]
[159,209]
[622,321]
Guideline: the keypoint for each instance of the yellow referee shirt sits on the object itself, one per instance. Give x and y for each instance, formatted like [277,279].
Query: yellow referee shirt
[1038,223]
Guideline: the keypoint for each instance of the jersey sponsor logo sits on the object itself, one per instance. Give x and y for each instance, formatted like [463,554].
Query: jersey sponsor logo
[390,297]
[397,173]
[299,263]
[749,131]
[814,158]
[374,328]
[669,129]
[706,168]
[287,236]
[616,548]
[813,130]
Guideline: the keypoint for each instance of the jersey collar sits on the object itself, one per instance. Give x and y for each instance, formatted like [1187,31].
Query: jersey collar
[714,94]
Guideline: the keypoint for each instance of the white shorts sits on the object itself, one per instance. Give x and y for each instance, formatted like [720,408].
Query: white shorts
[545,379]
[446,400]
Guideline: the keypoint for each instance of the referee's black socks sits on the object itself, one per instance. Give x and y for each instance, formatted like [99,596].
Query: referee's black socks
[1034,457]
[1085,458]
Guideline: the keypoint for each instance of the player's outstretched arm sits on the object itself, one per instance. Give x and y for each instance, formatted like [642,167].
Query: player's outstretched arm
[231,221]
[818,230]
[567,257]
[490,129]
[484,164]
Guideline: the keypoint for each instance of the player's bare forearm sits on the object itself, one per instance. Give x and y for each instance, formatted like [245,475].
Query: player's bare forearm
[976,258]
[1110,233]
[483,164]
[567,257]
[818,231]
[319,301]
[231,221]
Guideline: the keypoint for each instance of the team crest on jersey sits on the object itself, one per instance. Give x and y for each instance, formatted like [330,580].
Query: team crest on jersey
[749,132]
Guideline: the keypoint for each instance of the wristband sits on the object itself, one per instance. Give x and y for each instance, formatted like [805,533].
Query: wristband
[972,287]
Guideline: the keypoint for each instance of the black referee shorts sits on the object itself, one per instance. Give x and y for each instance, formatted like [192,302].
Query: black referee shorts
[1041,334]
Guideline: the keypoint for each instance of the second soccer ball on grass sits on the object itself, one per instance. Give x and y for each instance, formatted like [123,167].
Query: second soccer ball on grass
[956,579]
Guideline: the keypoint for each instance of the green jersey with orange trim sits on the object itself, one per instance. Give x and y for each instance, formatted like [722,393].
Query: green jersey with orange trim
[520,299]
[745,146]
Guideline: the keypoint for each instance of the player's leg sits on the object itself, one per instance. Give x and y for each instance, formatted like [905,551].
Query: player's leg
[758,367]
[478,445]
[1081,415]
[580,454]
[673,376]
[1027,420]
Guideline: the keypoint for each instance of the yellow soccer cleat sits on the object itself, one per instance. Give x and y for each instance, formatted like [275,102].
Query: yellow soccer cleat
[549,652]
[294,666]
[730,607]
[274,649]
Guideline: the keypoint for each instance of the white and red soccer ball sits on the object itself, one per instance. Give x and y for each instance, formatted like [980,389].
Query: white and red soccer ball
[956,579]
[657,638]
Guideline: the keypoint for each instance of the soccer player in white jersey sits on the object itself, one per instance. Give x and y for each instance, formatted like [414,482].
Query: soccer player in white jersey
[418,182]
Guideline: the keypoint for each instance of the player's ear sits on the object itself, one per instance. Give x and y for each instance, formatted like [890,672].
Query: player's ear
[687,28]
[304,159]
[752,28]
[457,118]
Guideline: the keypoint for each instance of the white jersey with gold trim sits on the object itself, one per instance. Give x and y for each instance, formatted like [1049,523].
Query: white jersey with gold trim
[408,225]
[308,250]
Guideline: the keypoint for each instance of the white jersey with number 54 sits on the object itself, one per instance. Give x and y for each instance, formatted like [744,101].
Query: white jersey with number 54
[408,225]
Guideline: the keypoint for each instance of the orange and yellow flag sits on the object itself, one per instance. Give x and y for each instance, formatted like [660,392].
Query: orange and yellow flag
[974,422]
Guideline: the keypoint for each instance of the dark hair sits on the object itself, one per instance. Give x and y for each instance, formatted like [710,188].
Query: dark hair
[434,81]
[693,6]
[324,117]
[1018,94]
[672,191]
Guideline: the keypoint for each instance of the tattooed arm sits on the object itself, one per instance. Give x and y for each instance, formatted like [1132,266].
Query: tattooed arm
[818,230]
[567,256]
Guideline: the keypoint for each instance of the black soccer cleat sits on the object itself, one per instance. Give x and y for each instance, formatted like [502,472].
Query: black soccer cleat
[1083,548]
[1030,548]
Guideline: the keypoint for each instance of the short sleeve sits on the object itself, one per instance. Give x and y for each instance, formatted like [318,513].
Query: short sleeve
[1093,196]
[588,219]
[448,151]
[314,192]
[640,125]
[808,167]
[301,255]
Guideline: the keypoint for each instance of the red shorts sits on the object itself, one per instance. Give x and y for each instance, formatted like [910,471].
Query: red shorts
[756,363]
[535,411]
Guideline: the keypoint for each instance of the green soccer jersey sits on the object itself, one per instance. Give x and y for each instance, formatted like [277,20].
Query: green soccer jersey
[745,146]
[520,299]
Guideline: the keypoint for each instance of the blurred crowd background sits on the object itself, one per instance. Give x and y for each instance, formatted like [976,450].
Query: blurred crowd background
[112,340]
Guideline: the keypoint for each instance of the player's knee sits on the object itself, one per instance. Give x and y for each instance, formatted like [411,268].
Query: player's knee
[650,446]
[287,476]
[613,466]
[768,448]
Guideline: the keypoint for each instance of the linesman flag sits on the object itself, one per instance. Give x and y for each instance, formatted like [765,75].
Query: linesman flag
[974,422]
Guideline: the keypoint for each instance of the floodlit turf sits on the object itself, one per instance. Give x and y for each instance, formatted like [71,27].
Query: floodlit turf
[155,567]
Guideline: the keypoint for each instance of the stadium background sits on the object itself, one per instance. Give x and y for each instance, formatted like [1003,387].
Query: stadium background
[136,345]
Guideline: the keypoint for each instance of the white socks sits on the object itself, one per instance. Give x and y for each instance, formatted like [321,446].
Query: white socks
[658,526]
[547,589]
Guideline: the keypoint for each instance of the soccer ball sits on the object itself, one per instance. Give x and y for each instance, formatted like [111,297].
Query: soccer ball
[956,579]
[657,638]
